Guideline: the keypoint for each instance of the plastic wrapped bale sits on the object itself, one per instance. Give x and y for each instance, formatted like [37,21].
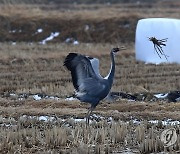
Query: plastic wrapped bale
[160,28]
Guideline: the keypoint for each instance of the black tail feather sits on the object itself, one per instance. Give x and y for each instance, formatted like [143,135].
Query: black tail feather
[68,63]
[68,60]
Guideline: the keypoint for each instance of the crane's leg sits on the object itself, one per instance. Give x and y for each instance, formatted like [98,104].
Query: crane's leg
[162,52]
[89,114]
[156,49]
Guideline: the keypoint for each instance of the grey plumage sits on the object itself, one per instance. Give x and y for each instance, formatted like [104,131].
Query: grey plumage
[90,86]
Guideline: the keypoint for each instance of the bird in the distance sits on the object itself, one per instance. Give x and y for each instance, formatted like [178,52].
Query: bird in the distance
[89,85]
[158,46]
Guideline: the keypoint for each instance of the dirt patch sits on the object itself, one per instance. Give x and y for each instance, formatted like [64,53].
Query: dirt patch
[96,23]
[97,31]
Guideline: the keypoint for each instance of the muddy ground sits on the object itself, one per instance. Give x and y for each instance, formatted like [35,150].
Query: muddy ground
[95,23]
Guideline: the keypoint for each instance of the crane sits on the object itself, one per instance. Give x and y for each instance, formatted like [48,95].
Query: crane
[89,85]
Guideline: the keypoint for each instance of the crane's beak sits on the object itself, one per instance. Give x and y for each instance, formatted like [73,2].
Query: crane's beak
[122,48]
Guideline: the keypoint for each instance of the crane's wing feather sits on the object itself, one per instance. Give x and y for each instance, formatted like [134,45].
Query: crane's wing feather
[92,87]
[95,65]
[80,67]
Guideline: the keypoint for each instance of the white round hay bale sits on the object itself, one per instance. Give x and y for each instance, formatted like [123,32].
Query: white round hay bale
[159,28]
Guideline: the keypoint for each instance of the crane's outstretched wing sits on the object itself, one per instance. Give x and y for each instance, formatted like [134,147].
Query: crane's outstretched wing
[80,67]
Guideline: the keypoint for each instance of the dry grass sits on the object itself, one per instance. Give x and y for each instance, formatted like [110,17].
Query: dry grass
[28,67]
[94,11]
[39,69]
[30,135]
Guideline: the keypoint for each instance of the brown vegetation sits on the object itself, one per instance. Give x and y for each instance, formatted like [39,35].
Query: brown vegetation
[39,69]
[30,135]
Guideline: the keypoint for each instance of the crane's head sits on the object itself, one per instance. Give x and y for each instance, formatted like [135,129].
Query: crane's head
[115,50]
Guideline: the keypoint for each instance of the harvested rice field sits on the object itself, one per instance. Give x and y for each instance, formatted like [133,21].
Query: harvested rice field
[38,111]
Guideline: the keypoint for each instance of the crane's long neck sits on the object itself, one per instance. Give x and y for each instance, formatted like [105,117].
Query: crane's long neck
[110,76]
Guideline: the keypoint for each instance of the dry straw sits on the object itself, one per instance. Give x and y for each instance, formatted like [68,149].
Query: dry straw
[99,137]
